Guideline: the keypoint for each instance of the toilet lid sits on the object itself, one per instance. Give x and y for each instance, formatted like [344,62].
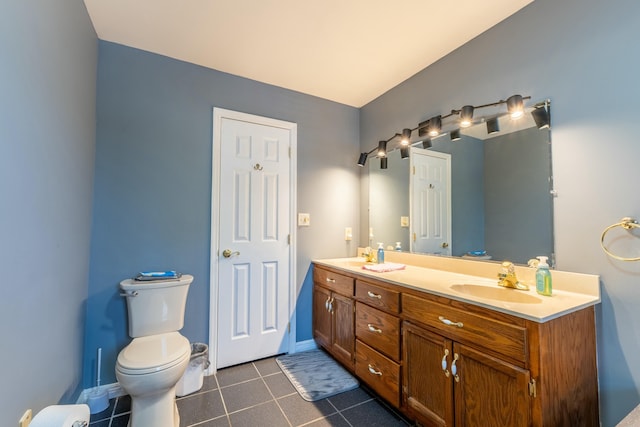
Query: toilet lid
[153,353]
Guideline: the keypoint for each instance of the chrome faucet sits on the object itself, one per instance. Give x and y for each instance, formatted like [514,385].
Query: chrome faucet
[508,277]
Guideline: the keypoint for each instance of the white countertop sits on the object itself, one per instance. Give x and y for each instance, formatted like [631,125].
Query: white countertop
[525,304]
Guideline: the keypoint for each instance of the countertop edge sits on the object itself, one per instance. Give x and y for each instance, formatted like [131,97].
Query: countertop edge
[587,299]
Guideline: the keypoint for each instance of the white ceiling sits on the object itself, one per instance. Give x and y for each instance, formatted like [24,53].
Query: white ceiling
[348,51]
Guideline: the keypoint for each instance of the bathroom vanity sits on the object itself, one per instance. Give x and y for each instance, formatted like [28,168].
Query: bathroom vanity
[440,341]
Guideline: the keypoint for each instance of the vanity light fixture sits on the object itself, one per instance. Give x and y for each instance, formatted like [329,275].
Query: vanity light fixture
[466,116]
[541,116]
[404,152]
[382,149]
[515,106]
[405,137]
[433,127]
[493,126]
[383,162]
[363,159]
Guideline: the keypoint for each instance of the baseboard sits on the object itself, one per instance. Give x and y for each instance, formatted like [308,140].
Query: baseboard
[305,345]
[114,391]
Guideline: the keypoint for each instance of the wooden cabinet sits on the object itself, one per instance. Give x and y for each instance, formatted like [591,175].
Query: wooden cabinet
[465,365]
[378,339]
[446,383]
[333,315]
[445,362]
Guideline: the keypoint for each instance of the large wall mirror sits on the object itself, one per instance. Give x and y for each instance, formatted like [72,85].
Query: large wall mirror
[486,195]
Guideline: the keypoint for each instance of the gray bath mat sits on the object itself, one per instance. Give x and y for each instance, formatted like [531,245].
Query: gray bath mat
[316,375]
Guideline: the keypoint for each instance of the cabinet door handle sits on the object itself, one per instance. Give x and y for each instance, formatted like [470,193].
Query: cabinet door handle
[372,295]
[374,371]
[326,303]
[331,305]
[444,363]
[454,368]
[330,280]
[374,329]
[449,322]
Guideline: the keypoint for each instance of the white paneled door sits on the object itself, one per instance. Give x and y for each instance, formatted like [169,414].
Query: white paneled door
[430,202]
[253,256]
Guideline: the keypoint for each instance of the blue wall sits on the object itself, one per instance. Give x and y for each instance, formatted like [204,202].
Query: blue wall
[48,61]
[153,183]
[583,55]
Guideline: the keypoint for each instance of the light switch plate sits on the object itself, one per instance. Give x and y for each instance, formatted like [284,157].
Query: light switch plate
[404,221]
[348,234]
[304,219]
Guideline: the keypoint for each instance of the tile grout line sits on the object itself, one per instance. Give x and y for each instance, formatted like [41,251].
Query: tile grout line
[274,397]
[224,405]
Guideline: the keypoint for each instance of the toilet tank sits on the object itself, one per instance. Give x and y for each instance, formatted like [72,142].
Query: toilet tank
[155,307]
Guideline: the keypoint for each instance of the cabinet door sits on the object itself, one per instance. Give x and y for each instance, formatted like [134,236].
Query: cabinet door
[489,392]
[343,337]
[427,388]
[321,316]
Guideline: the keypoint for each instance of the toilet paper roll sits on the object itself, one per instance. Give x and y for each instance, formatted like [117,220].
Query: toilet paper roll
[60,416]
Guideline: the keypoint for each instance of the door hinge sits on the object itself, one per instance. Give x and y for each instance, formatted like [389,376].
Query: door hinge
[414,170]
[289,152]
[532,388]
[288,239]
[289,327]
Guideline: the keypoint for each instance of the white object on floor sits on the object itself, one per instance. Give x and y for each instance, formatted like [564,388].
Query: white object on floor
[62,416]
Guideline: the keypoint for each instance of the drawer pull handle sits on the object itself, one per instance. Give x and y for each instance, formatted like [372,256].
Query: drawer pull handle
[373,328]
[449,322]
[444,363]
[372,295]
[330,280]
[374,371]
[454,368]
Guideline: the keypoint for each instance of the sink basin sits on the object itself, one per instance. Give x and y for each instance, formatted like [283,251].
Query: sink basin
[497,293]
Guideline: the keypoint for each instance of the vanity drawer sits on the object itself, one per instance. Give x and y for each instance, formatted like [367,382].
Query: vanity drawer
[334,281]
[378,329]
[378,372]
[384,299]
[495,335]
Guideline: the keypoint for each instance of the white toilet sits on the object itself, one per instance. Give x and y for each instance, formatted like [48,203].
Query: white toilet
[149,368]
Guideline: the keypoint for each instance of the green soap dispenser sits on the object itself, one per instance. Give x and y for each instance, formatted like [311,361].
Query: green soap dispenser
[543,277]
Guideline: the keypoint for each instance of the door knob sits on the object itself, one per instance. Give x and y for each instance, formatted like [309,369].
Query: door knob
[445,245]
[227,253]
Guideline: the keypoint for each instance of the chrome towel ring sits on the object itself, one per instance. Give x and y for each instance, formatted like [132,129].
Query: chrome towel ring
[627,223]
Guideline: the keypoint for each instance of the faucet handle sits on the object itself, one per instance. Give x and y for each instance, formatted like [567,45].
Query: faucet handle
[508,267]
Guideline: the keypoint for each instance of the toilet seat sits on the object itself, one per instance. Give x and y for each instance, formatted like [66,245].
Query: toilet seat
[154,353]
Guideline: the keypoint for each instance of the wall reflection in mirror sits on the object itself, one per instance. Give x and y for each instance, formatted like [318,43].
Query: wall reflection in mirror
[481,192]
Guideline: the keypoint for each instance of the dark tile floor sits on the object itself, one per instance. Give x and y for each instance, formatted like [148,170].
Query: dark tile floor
[258,394]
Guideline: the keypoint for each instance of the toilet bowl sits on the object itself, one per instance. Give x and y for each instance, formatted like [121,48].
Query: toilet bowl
[149,368]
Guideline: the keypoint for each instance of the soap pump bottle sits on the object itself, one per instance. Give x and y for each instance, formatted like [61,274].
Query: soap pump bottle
[380,254]
[543,277]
